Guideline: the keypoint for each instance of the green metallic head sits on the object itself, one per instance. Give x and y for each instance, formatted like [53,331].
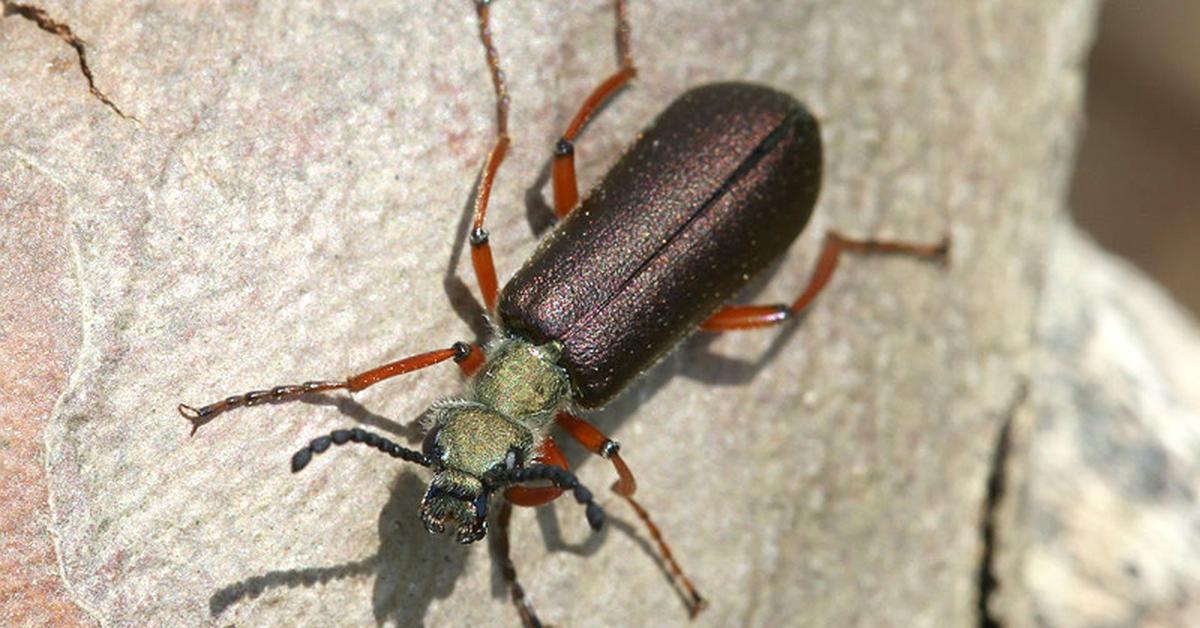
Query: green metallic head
[466,443]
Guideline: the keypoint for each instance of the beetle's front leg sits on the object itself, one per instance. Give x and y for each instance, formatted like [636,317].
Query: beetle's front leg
[625,486]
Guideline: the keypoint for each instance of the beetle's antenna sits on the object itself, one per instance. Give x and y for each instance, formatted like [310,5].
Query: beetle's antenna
[558,476]
[356,435]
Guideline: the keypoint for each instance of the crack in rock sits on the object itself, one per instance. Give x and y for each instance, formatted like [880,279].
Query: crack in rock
[64,32]
[987,582]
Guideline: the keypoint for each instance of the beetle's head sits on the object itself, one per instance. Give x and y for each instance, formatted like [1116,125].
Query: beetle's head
[467,443]
[459,500]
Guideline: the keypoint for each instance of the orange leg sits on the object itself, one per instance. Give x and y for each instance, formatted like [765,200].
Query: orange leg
[501,546]
[625,486]
[468,356]
[566,188]
[548,453]
[481,251]
[530,496]
[469,360]
[753,316]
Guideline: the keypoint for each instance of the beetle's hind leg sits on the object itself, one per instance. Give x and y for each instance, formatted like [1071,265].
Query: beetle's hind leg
[566,190]
[566,187]
[736,317]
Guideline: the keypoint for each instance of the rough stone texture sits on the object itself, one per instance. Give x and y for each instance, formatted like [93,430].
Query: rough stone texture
[39,338]
[287,208]
[1100,529]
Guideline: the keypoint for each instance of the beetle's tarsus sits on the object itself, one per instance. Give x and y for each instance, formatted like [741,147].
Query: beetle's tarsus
[943,251]
[194,416]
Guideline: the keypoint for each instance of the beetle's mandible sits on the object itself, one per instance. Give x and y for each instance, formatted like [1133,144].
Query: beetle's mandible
[715,189]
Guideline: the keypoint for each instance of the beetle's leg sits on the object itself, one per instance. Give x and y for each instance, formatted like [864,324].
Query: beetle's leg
[596,442]
[471,361]
[501,545]
[547,453]
[63,32]
[566,189]
[533,473]
[752,316]
[481,251]
[468,356]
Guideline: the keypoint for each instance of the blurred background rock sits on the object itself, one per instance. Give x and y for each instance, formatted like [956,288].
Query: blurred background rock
[1137,184]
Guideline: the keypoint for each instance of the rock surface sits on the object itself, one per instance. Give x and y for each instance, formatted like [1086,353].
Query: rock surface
[288,208]
[1100,527]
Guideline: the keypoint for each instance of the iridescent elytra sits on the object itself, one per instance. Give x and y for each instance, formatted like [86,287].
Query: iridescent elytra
[715,189]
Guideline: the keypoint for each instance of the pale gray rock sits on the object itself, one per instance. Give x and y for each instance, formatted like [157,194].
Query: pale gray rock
[287,208]
[1101,527]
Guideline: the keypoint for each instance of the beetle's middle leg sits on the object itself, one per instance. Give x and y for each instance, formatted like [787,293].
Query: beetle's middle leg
[566,187]
[736,317]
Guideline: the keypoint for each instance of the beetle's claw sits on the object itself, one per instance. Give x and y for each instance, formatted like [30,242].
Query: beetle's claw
[196,417]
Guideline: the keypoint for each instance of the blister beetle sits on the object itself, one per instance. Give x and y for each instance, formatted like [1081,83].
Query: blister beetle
[715,189]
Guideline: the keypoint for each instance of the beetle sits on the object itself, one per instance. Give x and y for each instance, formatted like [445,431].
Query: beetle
[714,190]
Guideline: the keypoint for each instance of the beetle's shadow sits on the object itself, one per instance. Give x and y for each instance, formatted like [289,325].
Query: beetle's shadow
[538,212]
[411,567]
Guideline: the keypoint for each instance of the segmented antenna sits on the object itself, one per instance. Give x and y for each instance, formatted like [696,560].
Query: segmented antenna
[357,435]
[558,476]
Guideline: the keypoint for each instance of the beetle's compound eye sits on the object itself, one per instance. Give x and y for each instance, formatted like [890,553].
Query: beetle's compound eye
[512,460]
[430,446]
